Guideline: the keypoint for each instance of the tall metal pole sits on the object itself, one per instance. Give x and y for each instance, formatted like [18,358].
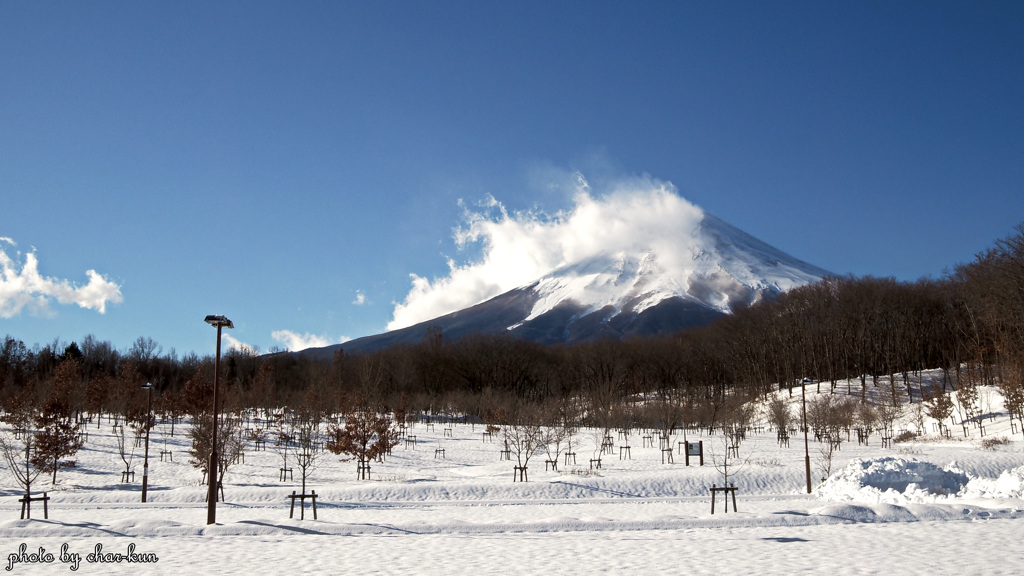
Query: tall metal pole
[211,506]
[807,450]
[145,465]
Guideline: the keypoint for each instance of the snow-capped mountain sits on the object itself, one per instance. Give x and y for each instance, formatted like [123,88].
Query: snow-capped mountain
[725,268]
[639,291]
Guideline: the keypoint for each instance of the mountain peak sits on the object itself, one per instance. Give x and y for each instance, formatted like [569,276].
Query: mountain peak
[723,268]
[708,270]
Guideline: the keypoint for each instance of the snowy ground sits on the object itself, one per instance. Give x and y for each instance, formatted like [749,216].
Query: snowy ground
[893,509]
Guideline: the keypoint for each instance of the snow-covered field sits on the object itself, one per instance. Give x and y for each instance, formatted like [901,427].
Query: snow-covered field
[900,510]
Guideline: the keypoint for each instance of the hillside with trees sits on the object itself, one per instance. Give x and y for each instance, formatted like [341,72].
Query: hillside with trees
[969,324]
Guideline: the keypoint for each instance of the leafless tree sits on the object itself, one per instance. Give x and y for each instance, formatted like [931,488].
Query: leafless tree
[17,444]
[889,409]
[229,444]
[125,447]
[726,464]
[524,436]
[780,415]
[307,438]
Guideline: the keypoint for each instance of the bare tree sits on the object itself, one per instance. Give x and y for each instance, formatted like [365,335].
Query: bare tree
[727,464]
[125,448]
[558,432]
[780,415]
[889,409]
[826,452]
[524,436]
[17,444]
[307,429]
[284,438]
[229,445]
[867,416]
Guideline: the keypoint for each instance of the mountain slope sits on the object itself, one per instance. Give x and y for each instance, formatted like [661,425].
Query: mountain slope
[630,292]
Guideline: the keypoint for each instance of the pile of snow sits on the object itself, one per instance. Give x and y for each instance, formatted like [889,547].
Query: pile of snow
[893,480]
[1010,484]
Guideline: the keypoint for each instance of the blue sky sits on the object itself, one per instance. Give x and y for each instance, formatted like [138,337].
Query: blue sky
[290,165]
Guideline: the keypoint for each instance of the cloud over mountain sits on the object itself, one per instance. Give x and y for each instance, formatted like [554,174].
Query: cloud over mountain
[633,215]
[294,342]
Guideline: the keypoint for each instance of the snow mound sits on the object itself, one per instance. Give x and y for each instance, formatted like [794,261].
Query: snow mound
[892,480]
[1010,484]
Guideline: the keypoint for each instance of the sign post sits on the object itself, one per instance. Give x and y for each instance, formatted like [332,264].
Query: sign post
[695,449]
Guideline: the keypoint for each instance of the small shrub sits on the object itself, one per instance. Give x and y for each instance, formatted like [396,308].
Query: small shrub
[904,437]
[993,443]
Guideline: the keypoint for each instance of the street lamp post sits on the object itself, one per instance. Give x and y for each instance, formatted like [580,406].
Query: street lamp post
[807,450]
[149,415]
[211,500]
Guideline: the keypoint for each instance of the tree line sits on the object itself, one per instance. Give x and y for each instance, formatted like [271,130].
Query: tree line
[969,323]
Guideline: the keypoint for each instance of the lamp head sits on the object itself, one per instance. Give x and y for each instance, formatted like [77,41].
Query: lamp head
[219,321]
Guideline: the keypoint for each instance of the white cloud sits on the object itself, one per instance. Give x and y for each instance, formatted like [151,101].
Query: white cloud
[360,298]
[236,344]
[21,286]
[295,342]
[519,248]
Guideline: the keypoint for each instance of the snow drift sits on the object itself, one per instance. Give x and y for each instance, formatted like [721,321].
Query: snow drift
[894,480]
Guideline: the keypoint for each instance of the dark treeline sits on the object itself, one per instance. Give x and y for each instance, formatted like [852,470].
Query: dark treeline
[969,323]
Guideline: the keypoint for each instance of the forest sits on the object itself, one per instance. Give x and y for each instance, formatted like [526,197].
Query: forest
[969,324]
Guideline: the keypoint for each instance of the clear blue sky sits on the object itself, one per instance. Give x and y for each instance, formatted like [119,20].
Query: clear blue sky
[290,164]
